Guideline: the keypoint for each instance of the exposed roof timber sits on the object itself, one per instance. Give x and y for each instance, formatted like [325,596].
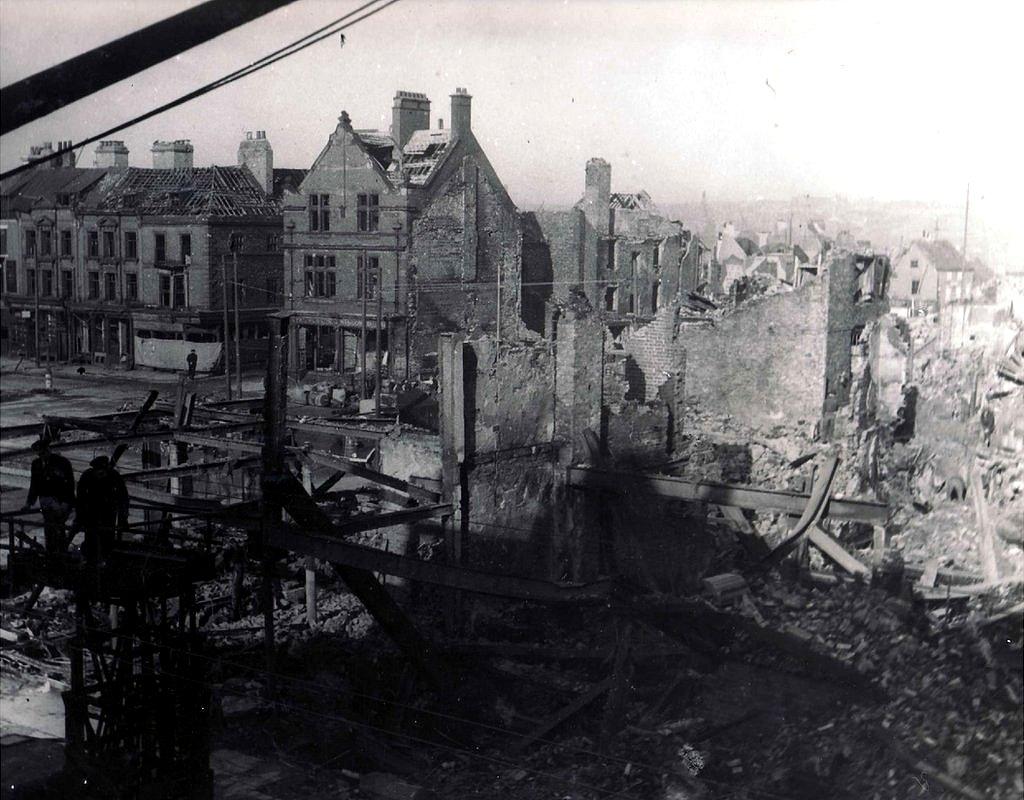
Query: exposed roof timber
[47,91]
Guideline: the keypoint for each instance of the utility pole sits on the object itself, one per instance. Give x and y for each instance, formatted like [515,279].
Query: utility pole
[38,276]
[380,327]
[227,345]
[364,285]
[238,330]
[963,274]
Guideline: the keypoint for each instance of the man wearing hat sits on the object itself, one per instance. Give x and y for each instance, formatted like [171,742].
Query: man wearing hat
[102,508]
[53,485]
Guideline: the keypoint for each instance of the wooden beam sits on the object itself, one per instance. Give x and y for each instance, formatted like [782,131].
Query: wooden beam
[283,489]
[550,723]
[836,552]
[986,537]
[321,490]
[34,428]
[191,468]
[55,87]
[723,494]
[328,547]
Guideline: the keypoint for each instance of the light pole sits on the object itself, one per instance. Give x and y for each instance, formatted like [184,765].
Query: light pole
[291,263]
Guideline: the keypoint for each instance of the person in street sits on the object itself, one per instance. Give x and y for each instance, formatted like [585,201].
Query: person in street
[102,508]
[53,485]
[192,359]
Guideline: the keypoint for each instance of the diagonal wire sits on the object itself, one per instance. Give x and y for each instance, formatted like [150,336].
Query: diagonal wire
[298,45]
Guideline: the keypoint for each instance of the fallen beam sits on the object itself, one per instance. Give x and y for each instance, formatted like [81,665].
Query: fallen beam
[283,489]
[724,494]
[836,552]
[370,522]
[191,468]
[333,462]
[331,548]
[34,428]
[560,716]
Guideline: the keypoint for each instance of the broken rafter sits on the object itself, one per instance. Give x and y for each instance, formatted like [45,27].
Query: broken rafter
[724,494]
[193,468]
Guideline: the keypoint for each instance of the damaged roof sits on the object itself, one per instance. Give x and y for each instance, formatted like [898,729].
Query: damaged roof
[287,180]
[202,192]
[632,200]
[422,155]
[41,186]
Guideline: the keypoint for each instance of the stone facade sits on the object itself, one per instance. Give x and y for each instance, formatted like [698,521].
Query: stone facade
[418,232]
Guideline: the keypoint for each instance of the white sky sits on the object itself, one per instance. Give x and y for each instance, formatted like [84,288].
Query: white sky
[892,100]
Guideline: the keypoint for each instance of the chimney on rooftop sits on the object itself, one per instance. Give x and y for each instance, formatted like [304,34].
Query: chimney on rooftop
[597,194]
[256,155]
[41,151]
[111,154]
[410,113]
[461,116]
[172,155]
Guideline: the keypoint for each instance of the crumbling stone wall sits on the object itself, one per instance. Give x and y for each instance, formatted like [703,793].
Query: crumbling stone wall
[465,238]
[653,353]
[411,454]
[764,363]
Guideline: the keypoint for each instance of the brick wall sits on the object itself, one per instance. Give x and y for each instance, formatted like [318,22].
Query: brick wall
[764,363]
[653,352]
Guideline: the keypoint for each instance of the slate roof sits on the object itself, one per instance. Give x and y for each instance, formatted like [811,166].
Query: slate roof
[943,255]
[42,186]
[202,192]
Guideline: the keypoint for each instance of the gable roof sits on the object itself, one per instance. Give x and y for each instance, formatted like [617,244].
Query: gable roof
[209,191]
[728,248]
[942,255]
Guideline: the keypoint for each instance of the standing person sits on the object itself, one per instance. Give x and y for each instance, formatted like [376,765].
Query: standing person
[102,508]
[53,485]
[192,359]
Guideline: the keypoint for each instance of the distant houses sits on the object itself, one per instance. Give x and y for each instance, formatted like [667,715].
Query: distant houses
[930,274]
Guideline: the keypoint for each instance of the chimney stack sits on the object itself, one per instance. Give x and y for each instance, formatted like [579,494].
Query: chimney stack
[111,154]
[461,113]
[410,113]
[256,155]
[597,194]
[172,155]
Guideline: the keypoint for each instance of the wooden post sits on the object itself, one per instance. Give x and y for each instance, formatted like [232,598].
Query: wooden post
[380,327]
[307,484]
[275,410]
[362,342]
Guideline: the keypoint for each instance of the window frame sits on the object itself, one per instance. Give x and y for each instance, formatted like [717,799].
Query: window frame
[368,212]
[66,238]
[132,252]
[110,287]
[92,247]
[159,247]
[93,284]
[131,286]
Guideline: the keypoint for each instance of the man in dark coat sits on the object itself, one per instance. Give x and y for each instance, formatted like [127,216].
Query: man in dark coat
[192,359]
[53,485]
[102,508]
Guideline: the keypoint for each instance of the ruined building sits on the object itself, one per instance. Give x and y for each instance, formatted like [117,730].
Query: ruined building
[614,248]
[396,237]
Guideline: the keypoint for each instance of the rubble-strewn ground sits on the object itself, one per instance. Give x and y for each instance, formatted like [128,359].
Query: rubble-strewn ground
[879,690]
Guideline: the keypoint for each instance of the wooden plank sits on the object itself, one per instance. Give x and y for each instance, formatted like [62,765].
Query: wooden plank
[321,490]
[724,494]
[986,535]
[836,552]
[560,716]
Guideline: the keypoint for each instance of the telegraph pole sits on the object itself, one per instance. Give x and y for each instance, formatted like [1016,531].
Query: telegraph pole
[362,345]
[227,346]
[238,330]
[963,274]
[380,327]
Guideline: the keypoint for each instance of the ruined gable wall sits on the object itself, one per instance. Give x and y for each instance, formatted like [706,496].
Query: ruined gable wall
[465,236]
[762,364]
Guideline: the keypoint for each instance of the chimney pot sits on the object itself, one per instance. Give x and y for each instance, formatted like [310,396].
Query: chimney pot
[461,116]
